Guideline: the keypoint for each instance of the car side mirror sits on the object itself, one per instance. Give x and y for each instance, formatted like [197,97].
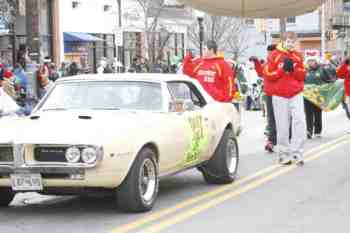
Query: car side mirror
[181,105]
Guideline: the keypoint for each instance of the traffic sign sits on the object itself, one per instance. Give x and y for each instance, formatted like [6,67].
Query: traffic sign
[118,37]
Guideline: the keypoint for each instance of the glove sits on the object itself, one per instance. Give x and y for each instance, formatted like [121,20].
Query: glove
[288,65]
[253,59]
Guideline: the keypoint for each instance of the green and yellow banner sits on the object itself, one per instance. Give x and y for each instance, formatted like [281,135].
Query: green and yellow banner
[326,96]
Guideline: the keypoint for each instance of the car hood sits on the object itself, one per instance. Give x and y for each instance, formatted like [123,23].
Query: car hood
[72,127]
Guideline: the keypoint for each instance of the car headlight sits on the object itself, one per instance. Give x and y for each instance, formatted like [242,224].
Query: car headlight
[73,154]
[89,155]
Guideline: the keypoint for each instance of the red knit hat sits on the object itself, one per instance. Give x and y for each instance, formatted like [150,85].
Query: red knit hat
[8,74]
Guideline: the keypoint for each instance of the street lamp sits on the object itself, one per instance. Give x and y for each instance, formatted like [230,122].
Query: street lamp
[200,18]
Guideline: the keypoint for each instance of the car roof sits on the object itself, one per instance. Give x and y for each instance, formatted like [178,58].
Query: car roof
[142,77]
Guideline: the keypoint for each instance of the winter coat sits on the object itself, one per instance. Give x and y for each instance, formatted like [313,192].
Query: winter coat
[314,76]
[268,84]
[343,72]
[214,74]
[285,84]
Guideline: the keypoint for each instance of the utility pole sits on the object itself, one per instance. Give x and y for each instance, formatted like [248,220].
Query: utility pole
[283,26]
[323,31]
[120,49]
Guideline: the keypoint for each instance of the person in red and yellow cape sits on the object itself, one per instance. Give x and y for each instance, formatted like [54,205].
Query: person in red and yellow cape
[214,74]
[286,71]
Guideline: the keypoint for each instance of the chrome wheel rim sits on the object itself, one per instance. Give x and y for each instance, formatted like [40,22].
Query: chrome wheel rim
[147,180]
[231,156]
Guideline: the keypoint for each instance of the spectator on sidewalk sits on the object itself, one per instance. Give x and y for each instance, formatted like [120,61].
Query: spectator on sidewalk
[286,71]
[212,72]
[8,106]
[8,83]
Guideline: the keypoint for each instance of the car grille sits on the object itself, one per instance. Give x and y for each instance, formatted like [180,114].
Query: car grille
[6,154]
[50,154]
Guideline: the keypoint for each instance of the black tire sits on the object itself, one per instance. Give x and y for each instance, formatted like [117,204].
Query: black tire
[217,170]
[129,194]
[6,196]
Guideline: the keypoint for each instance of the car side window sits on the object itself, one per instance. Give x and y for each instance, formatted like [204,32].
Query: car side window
[183,90]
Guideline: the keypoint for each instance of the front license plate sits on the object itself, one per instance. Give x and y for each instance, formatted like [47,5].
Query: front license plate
[26,182]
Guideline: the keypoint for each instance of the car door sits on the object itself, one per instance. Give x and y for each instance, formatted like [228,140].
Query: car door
[196,131]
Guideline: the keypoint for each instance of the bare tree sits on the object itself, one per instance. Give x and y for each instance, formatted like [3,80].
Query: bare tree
[237,42]
[151,12]
[8,10]
[228,32]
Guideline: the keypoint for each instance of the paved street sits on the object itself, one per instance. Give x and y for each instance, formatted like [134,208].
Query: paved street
[266,198]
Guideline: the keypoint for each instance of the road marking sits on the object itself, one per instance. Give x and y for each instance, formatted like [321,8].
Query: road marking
[194,200]
[253,185]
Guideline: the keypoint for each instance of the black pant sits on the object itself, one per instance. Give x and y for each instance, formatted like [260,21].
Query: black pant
[271,120]
[313,118]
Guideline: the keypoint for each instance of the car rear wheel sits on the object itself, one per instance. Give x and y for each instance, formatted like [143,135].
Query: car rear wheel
[139,190]
[6,196]
[222,167]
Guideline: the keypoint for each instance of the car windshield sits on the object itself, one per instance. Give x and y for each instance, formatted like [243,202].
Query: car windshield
[104,96]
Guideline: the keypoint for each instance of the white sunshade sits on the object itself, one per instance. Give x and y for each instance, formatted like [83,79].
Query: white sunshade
[255,8]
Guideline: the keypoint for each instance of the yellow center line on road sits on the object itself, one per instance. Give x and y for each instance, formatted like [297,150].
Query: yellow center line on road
[194,200]
[253,185]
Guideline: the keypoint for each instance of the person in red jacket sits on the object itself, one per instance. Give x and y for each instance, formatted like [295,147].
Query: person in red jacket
[271,124]
[214,74]
[343,72]
[286,72]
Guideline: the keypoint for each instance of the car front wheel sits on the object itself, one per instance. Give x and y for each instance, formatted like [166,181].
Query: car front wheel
[6,197]
[222,167]
[139,190]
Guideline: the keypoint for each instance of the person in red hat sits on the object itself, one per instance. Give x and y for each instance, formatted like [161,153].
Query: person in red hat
[285,69]
[343,72]
[9,83]
[214,74]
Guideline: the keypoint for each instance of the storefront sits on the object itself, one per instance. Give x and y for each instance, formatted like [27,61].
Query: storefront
[23,33]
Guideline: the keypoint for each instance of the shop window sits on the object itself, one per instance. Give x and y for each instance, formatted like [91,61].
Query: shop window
[291,19]
[76,4]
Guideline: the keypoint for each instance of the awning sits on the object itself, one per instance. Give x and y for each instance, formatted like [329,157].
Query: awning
[79,37]
[255,8]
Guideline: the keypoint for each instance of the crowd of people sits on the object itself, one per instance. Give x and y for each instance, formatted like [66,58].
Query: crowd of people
[291,118]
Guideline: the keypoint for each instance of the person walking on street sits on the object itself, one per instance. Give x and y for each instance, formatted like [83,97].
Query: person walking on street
[343,72]
[214,74]
[285,69]
[314,76]
[271,123]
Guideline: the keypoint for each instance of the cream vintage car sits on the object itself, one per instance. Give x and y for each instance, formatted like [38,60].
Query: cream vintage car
[120,134]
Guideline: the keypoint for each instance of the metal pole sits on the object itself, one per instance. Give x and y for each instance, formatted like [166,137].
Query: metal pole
[201,35]
[323,31]
[13,42]
[120,48]
[283,26]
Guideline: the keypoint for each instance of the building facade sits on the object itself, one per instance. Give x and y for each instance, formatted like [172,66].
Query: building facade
[87,30]
[337,17]
[32,27]
[167,41]
[308,28]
